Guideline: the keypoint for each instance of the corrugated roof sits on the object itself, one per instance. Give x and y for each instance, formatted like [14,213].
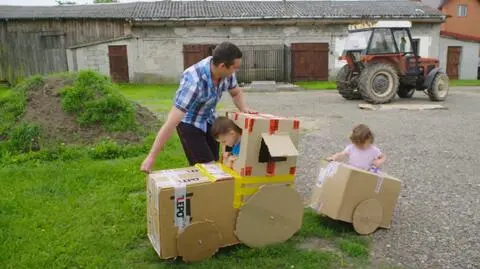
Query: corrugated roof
[106,11]
[202,10]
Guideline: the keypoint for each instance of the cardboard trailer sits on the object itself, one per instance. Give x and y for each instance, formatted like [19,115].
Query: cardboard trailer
[363,198]
[194,211]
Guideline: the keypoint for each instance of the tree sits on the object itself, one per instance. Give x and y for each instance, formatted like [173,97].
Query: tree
[104,1]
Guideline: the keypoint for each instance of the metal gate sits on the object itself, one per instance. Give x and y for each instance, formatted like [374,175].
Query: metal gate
[263,62]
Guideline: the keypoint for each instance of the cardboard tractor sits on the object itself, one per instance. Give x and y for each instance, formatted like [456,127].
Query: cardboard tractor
[363,198]
[194,211]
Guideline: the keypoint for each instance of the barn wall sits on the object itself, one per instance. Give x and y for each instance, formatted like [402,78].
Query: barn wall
[3,51]
[39,47]
[160,49]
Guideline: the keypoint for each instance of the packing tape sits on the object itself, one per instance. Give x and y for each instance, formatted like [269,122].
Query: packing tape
[376,170]
[379,184]
[329,171]
[180,196]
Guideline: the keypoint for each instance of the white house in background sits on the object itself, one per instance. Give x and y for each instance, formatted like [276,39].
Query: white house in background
[459,45]
[282,41]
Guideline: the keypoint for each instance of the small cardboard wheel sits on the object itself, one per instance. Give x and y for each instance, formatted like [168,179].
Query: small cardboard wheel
[272,215]
[367,216]
[200,240]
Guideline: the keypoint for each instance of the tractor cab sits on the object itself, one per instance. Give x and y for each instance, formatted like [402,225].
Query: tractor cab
[381,61]
[383,38]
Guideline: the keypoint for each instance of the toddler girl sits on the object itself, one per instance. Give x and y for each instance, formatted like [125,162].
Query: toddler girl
[362,153]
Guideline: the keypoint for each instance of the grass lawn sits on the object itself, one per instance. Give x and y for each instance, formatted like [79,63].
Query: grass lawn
[317,85]
[91,214]
[4,91]
[466,83]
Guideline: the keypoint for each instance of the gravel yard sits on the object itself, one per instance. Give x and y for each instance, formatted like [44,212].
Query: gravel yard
[434,152]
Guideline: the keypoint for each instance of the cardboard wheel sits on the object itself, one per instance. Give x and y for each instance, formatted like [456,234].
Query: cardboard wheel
[367,216]
[198,241]
[272,215]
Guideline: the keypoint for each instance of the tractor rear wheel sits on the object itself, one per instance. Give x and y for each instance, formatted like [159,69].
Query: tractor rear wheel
[406,92]
[439,89]
[378,83]
[344,90]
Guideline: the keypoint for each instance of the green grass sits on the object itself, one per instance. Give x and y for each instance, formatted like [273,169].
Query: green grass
[78,212]
[4,91]
[465,83]
[317,85]
[156,97]
[331,85]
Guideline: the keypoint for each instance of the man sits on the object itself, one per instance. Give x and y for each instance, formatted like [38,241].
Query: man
[193,113]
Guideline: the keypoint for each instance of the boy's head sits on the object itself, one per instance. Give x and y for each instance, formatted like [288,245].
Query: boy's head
[225,131]
[362,136]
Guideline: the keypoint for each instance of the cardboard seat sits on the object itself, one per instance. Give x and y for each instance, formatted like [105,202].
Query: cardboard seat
[349,194]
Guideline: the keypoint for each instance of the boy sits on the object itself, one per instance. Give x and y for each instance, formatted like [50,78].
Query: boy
[226,132]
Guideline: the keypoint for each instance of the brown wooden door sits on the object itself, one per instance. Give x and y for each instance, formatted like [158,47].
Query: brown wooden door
[453,62]
[192,53]
[118,63]
[309,61]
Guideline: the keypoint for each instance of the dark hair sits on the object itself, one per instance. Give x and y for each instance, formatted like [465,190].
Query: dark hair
[361,134]
[223,125]
[226,53]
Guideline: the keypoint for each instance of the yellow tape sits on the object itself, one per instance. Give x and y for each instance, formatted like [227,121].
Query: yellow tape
[240,190]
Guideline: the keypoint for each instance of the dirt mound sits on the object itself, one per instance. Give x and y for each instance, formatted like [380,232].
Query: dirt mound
[44,108]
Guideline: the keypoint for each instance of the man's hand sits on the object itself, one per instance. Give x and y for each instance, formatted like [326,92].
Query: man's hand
[147,164]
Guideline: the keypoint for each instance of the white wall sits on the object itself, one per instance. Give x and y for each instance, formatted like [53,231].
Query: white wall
[95,57]
[468,57]
[156,54]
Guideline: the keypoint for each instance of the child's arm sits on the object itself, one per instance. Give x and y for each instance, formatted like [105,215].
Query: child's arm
[379,160]
[339,156]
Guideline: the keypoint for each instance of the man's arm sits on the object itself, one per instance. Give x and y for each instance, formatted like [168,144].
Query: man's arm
[174,117]
[237,95]
[239,99]
[185,98]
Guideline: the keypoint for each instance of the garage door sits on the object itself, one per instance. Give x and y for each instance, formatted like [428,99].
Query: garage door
[309,61]
[192,53]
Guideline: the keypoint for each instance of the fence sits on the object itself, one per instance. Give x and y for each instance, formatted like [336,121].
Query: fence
[263,62]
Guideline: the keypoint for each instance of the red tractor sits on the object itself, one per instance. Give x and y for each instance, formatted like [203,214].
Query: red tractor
[382,62]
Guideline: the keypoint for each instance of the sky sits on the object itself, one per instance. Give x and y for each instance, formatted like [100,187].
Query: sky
[53,2]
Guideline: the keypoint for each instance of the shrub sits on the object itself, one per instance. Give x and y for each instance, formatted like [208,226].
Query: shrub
[94,99]
[24,138]
[12,106]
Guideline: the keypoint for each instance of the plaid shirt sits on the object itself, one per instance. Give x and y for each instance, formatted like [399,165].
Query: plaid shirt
[198,97]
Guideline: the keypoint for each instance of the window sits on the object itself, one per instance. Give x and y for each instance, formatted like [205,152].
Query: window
[357,40]
[403,41]
[461,10]
[416,45]
[382,42]
[50,41]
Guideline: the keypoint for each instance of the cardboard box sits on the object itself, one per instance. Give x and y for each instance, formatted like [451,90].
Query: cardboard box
[179,202]
[343,192]
[268,145]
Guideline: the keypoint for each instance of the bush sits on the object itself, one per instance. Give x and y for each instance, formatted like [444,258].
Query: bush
[94,99]
[12,106]
[24,138]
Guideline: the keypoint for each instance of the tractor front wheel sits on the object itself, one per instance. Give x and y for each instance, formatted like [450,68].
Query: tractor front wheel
[439,89]
[378,83]
[347,92]
[406,92]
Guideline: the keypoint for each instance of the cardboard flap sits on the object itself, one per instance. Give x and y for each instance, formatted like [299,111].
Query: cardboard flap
[280,145]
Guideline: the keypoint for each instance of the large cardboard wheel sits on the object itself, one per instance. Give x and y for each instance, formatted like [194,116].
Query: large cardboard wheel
[200,240]
[367,216]
[272,215]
